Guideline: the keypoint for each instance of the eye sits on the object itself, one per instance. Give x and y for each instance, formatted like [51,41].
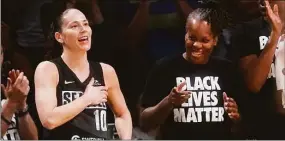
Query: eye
[74,26]
[86,24]
[192,38]
[206,40]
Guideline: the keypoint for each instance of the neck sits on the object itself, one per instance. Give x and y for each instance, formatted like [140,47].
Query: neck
[75,60]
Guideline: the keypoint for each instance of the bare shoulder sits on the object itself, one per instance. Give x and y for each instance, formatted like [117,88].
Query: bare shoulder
[107,69]
[110,76]
[46,69]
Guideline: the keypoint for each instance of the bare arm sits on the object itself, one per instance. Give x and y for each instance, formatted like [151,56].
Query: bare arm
[51,115]
[255,68]
[16,93]
[123,120]
[152,117]
[27,127]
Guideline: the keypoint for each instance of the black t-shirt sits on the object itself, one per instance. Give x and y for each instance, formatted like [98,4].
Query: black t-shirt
[262,118]
[91,123]
[252,41]
[203,116]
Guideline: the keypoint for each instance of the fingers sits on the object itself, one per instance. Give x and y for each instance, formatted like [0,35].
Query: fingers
[17,72]
[104,100]
[230,104]
[104,96]
[12,75]
[102,88]
[25,85]
[25,80]
[179,98]
[180,86]
[228,99]
[231,109]
[183,96]
[234,116]
[19,79]
[225,96]
[9,83]
[275,9]
[178,89]
[27,90]
[180,94]
[231,100]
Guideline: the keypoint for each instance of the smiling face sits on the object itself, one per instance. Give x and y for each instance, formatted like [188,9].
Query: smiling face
[75,31]
[199,41]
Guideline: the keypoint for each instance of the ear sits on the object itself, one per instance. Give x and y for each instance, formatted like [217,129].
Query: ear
[58,37]
[186,36]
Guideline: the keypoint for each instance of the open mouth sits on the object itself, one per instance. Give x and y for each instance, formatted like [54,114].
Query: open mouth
[83,39]
[197,52]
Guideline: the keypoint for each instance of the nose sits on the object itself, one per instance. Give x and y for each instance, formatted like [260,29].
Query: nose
[82,28]
[197,44]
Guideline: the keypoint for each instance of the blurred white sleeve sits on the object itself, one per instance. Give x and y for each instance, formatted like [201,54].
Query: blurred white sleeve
[280,64]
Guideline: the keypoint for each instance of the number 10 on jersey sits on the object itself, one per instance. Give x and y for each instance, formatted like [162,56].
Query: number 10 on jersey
[100,120]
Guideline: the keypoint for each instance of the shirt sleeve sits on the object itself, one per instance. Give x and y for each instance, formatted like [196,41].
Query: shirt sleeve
[245,40]
[280,65]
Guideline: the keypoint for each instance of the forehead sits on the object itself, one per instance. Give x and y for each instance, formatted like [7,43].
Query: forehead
[199,26]
[73,16]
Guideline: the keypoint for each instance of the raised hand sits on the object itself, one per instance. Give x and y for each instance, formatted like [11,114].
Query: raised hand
[273,17]
[177,97]
[231,107]
[17,87]
[96,94]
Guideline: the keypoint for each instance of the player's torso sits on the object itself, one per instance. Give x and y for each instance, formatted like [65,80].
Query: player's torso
[91,123]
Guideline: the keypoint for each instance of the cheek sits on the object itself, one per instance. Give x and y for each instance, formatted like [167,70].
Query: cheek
[208,47]
[70,37]
[90,31]
[188,43]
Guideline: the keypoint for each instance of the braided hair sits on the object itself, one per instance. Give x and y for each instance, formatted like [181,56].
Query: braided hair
[212,12]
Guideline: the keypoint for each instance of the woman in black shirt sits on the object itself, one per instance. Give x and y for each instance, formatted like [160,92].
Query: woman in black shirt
[186,94]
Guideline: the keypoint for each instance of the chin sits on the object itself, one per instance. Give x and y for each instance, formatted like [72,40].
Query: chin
[198,60]
[85,47]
